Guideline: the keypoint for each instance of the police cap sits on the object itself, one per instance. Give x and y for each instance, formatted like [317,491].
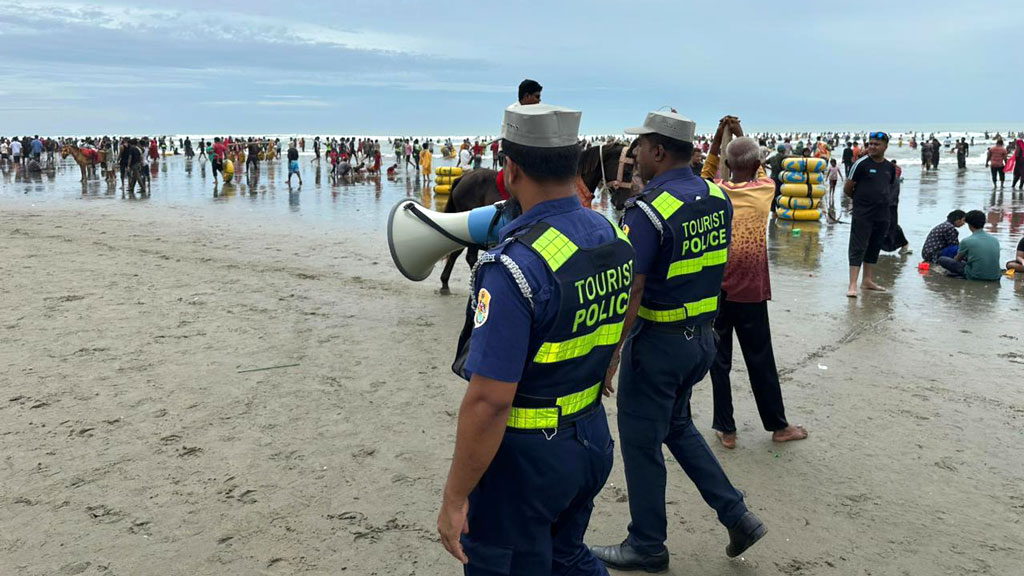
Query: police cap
[541,125]
[667,124]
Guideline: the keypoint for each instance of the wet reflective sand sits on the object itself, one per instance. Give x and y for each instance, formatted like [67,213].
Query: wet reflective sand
[815,260]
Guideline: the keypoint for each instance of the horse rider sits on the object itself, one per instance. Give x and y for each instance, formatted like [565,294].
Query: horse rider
[533,447]
[680,228]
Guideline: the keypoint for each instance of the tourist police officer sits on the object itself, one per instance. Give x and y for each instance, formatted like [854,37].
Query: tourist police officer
[533,447]
[680,229]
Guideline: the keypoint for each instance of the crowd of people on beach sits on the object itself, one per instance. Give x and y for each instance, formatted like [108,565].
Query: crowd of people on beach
[129,159]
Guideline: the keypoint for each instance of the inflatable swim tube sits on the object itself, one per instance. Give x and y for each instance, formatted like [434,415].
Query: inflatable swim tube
[229,170]
[794,164]
[815,164]
[790,214]
[791,177]
[799,203]
[442,189]
[802,191]
[788,177]
[449,171]
[446,180]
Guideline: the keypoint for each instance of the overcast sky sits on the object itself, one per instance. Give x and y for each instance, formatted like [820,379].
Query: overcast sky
[98,67]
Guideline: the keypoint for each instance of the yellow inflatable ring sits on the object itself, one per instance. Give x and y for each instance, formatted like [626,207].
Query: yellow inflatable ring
[789,177]
[802,191]
[815,164]
[794,164]
[789,214]
[442,189]
[446,180]
[799,203]
[449,171]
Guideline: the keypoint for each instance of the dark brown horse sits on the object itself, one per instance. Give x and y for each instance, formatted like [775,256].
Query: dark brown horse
[598,164]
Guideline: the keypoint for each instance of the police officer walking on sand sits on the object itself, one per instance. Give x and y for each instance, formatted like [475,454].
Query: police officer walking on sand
[680,228]
[533,447]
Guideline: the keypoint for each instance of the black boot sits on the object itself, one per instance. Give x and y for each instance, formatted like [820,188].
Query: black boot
[625,557]
[744,534]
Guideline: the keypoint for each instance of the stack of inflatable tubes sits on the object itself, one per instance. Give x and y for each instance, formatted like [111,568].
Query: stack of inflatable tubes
[803,185]
[446,176]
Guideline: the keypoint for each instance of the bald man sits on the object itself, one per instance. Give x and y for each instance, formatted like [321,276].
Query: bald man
[746,289]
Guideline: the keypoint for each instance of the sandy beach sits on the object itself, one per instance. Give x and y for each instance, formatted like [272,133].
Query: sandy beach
[133,443]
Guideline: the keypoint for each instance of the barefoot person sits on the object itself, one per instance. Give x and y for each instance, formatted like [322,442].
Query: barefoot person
[870,185]
[834,176]
[996,161]
[746,289]
[293,164]
[426,160]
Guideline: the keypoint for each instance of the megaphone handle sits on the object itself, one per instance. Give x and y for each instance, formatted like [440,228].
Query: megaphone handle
[423,217]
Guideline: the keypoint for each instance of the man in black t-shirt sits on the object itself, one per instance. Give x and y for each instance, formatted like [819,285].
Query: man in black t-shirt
[870,184]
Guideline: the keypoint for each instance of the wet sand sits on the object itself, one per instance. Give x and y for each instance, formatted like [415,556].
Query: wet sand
[132,444]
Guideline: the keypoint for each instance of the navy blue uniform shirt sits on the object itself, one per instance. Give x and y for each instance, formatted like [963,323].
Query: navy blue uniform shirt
[651,252]
[507,332]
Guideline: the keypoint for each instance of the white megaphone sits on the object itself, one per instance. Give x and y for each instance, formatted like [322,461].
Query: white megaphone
[419,237]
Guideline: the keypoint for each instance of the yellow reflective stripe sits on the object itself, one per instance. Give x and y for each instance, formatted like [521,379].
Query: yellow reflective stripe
[605,335]
[666,204]
[546,418]
[573,403]
[554,247]
[533,418]
[679,314]
[716,192]
[694,265]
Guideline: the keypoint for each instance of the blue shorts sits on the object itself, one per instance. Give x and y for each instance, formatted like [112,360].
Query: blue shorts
[293,167]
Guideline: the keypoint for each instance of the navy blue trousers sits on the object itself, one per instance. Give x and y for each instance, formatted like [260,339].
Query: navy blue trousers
[659,367]
[531,508]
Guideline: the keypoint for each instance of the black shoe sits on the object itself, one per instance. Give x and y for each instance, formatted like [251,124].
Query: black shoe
[744,534]
[625,557]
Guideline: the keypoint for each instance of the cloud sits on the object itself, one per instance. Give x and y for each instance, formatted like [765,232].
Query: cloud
[202,25]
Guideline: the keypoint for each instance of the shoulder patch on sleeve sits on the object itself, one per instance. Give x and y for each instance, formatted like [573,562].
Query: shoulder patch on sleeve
[483,308]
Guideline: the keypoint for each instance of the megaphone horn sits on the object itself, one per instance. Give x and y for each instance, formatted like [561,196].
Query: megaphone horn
[418,237]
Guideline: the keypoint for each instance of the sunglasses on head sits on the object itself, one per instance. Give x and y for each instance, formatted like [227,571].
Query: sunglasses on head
[879,136]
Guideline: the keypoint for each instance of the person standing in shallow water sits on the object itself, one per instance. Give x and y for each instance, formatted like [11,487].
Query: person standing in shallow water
[894,238]
[426,161]
[1018,164]
[996,162]
[870,185]
[293,164]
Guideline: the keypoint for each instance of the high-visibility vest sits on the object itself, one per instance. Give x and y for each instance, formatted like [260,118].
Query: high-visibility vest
[686,288]
[594,287]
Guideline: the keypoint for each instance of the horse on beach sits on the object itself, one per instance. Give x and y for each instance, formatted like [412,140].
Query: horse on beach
[86,158]
[480,188]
